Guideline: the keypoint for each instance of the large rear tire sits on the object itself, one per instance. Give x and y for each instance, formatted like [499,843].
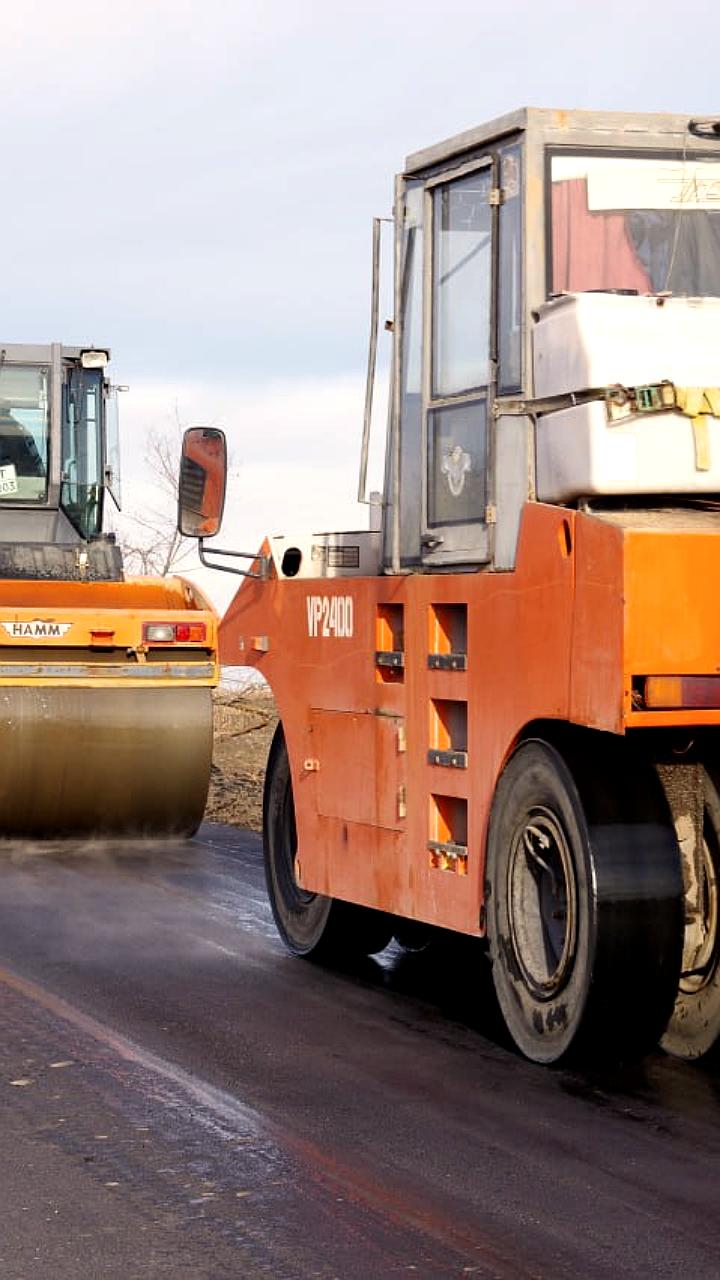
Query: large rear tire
[694,1027]
[309,924]
[584,905]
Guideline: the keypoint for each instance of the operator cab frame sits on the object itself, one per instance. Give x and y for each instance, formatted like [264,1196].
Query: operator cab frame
[488,226]
[59,447]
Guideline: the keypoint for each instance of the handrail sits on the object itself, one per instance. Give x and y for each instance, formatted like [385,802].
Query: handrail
[372,361]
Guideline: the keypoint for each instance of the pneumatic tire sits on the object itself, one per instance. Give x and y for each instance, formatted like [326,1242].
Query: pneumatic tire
[584,918]
[310,924]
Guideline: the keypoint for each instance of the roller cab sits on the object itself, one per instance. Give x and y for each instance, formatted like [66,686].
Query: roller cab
[499,703]
[105,680]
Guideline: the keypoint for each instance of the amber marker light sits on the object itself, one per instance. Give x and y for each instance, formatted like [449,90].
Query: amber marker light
[667,693]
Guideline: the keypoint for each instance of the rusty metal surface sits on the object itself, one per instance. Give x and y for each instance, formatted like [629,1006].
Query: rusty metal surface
[234,1112]
[103,760]
[95,671]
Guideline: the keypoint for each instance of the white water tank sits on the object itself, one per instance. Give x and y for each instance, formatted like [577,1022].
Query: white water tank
[598,339]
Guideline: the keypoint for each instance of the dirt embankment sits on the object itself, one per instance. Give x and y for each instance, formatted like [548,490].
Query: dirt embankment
[244,725]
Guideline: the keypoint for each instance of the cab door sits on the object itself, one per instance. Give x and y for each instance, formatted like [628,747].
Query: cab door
[459,362]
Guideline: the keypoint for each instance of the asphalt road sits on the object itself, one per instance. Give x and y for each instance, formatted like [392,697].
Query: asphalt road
[181,1098]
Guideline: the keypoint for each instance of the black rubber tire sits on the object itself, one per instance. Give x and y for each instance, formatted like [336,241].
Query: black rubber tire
[585,931]
[309,924]
[694,1028]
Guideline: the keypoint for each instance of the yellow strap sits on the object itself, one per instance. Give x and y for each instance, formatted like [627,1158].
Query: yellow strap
[712,397]
[696,403]
[701,437]
[689,400]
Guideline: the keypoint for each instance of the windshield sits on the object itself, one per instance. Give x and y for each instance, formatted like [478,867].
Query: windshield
[23,432]
[639,225]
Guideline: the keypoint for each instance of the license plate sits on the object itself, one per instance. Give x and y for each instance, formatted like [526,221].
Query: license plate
[8,480]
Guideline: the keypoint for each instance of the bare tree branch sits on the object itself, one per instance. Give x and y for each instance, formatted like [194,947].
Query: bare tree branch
[149,538]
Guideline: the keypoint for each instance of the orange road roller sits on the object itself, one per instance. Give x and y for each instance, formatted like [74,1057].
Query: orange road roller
[500,704]
[105,680]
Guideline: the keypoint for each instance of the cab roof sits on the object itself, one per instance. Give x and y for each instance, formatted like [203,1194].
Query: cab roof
[611,128]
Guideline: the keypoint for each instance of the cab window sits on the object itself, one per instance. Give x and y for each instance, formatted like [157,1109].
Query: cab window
[81,490]
[24,419]
[643,224]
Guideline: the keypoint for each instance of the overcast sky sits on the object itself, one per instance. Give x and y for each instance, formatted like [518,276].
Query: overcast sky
[192,183]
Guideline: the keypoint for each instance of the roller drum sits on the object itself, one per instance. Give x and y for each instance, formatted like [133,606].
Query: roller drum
[103,762]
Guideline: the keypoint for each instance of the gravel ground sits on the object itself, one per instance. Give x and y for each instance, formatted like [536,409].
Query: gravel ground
[244,726]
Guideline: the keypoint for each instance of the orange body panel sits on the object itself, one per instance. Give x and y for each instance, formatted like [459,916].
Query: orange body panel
[86,620]
[672,614]
[136,593]
[589,606]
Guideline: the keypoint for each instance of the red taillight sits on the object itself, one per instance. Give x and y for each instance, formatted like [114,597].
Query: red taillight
[174,632]
[191,632]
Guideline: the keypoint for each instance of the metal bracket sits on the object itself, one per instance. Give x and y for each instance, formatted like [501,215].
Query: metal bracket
[449,759]
[264,561]
[620,401]
[389,658]
[402,802]
[448,848]
[447,661]
[520,408]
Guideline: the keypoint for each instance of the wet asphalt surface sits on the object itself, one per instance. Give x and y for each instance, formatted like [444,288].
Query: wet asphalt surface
[181,1098]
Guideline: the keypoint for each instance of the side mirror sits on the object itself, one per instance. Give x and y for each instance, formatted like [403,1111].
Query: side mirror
[201,486]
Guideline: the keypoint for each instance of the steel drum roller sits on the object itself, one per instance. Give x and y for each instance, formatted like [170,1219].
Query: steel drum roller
[107,761]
